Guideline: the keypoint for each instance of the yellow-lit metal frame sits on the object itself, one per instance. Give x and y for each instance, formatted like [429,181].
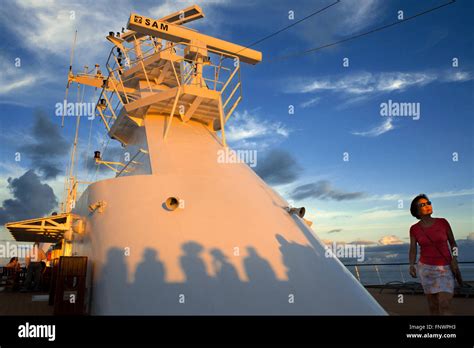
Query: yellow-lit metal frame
[48,229]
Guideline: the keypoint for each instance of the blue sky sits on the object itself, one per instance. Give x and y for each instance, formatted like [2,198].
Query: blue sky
[336,108]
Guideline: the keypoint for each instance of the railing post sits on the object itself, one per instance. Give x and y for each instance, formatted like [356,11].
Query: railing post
[378,274]
[357,273]
[401,273]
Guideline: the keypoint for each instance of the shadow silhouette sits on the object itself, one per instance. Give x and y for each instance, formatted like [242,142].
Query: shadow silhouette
[224,270]
[303,269]
[192,264]
[257,268]
[198,281]
[149,282]
[111,291]
[263,284]
[306,292]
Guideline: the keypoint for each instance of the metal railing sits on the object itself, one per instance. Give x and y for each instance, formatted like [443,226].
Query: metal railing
[136,161]
[217,77]
[223,77]
[382,273]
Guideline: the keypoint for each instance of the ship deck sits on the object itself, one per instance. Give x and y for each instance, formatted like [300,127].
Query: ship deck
[416,304]
[19,304]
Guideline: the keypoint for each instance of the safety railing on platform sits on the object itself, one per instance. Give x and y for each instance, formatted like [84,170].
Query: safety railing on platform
[217,77]
[213,70]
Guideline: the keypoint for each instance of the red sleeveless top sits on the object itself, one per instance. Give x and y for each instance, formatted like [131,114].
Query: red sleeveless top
[434,252]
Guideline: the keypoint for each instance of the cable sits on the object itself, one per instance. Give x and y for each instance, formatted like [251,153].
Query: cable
[360,35]
[289,26]
[89,140]
[285,28]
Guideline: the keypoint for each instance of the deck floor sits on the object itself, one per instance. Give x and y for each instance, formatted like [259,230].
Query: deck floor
[417,304]
[16,303]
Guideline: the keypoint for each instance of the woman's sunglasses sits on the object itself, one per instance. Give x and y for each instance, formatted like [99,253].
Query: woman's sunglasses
[421,205]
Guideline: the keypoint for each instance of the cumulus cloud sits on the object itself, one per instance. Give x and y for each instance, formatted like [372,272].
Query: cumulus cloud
[46,147]
[278,167]
[246,129]
[31,198]
[323,190]
[48,35]
[51,24]
[390,240]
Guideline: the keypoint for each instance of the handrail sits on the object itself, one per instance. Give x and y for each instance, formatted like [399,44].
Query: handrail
[393,264]
[376,273]
[140,151]
[222,78]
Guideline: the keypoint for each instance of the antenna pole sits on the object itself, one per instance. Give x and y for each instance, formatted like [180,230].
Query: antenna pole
[72,183]
[69,73]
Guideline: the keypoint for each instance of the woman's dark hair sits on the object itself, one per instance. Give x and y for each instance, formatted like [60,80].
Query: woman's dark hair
[414,205]
[13,259]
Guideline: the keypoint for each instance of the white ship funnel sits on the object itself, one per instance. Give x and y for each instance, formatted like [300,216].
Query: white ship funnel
[179,231]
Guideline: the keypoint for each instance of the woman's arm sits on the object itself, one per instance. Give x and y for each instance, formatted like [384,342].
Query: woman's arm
[412,255]
[453,246]
[452,241]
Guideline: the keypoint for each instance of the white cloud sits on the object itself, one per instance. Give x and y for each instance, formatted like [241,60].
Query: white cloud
[341,20]
[16,79]
[310,102]
[386,126]
[443,194]
[51,24]
[390,240]
[48,34]
[357,15]
[245,130]
[366,82]
[35,3]
[458,76]
[13,85]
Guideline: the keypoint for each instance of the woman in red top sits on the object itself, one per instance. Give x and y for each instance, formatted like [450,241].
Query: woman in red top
[436,261]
